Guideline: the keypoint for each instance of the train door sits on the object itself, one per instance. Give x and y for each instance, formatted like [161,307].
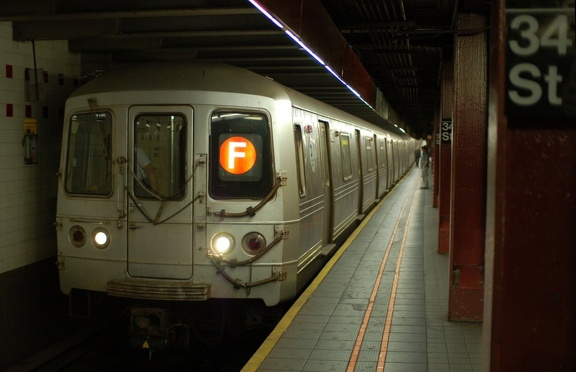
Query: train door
[391,167]
[390,161]
[327,184]
[382,167]
[361,162]
[386,168]
[159,192]
[396,151]
[375,163]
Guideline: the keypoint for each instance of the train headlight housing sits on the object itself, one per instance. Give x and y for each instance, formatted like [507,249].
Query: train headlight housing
[101,238]
[253,242]
[77,236]
[222,243]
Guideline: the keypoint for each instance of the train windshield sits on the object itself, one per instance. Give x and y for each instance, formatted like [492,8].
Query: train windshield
[160,155]
[89,158]
[241,164]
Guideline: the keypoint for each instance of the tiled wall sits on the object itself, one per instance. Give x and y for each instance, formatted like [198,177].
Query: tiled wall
[28,191]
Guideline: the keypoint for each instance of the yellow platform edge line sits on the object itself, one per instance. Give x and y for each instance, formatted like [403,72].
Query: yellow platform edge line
[260,355]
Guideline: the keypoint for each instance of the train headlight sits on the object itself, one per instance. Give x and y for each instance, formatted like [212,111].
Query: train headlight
[222,243]
[77,236]
[253,242]
[100,238]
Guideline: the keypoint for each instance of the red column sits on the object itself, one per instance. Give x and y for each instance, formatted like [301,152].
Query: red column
[445,157]
[467,218]
[530,322]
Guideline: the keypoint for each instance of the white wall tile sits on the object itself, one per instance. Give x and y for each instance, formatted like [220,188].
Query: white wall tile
[27,192]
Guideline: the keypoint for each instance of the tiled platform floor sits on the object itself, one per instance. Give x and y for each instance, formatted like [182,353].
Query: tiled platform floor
[326,329]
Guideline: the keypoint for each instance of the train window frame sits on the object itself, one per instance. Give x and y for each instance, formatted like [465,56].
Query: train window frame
[101,187]
[369,154]
[171,180]
[346,156]
[255,183]
[300,159]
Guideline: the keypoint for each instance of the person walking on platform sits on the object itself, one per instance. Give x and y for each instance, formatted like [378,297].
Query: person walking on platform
[424,165]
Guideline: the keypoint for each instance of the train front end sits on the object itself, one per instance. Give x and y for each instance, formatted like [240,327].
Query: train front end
[169,201]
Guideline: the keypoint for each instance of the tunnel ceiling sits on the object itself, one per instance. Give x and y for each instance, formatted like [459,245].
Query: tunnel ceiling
[400,44]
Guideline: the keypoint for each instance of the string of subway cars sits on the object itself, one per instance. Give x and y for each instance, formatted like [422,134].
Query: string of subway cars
[181,184]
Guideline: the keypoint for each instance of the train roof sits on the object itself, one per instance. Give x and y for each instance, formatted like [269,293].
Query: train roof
[181,76]
[205,76]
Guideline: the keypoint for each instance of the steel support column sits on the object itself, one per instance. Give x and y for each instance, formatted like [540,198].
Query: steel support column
[468,210]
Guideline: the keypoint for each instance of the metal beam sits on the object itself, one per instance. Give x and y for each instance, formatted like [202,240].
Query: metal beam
[11,13]
[64,30]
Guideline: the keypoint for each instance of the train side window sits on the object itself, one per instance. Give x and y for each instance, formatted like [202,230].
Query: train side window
[89,157]
[240,155]
[160,155]
[346,156]
[298,140]
[369,157]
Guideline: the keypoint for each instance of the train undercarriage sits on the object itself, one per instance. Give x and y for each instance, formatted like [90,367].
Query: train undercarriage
[176,325]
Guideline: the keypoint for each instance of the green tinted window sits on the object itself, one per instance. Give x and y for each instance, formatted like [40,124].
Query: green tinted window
[89,157]
[346,156]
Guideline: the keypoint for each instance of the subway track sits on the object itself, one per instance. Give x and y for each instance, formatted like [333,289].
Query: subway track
[104,347]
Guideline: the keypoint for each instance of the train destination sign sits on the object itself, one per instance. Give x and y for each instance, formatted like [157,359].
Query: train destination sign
[237,155]
[540,58]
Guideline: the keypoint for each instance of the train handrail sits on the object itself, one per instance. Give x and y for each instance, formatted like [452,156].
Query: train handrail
[251,211]
[156,220]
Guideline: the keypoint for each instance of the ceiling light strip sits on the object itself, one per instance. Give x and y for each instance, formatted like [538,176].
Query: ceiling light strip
[299,41]
[294,37]
[268,15]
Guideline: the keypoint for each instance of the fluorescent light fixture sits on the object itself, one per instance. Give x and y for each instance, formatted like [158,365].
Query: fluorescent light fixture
[268,15]
[299,42]
[353,91]
[335,74]
[347,85]
[288,32]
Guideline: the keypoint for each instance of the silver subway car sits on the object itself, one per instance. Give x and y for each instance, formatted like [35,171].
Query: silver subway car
[187,183]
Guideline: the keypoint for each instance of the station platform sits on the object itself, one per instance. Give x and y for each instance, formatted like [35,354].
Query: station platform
[381,303]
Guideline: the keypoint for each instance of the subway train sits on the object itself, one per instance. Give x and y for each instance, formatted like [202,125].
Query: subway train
[187,184]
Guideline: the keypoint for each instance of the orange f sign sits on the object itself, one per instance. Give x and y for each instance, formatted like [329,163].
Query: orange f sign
[237,155]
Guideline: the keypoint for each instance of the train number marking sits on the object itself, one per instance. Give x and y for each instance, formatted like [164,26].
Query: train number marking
[237,155]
